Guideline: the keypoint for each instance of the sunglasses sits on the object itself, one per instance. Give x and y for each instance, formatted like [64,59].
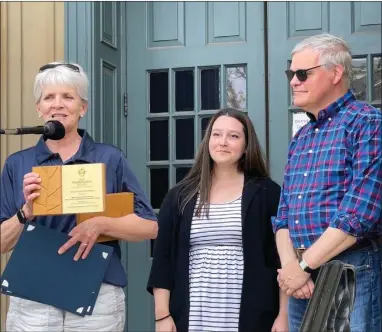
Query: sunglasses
[54,65]
[301,74]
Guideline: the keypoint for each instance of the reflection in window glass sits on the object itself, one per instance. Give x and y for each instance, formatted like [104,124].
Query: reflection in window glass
[159,140]
[158,92]
[358,78]
[210,91]
[184,91]
[377,78]
[236,87]
[181,172]
[158,186]
[184,134]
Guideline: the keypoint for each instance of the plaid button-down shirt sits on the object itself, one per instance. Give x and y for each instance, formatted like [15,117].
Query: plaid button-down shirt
[333,176]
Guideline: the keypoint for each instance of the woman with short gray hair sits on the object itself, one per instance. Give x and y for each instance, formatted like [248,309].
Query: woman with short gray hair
[61,93]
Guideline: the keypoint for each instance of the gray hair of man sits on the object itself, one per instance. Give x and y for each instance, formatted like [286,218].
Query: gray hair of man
[62,75]
[332,51]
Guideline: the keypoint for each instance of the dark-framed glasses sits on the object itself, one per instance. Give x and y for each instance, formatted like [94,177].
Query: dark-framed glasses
[54,65]
[301,74]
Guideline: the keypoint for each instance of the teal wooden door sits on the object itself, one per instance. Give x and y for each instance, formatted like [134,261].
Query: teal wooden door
[359,23]
[94,40]
[185,60]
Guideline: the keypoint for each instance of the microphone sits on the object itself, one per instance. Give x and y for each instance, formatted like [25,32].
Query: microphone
[53,130]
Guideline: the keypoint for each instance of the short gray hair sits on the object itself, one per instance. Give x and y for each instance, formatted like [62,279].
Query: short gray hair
[332,50]
[62,75]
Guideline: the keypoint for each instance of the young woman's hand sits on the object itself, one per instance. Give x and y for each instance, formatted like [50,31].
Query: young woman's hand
[281,323]
[165,325]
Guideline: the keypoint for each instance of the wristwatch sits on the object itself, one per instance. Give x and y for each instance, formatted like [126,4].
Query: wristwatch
[21,216]
[304,265]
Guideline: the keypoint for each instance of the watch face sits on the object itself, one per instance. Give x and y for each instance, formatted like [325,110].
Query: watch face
[303,264]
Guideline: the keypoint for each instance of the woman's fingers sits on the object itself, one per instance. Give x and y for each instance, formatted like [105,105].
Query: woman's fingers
[35,178]
[88,248]
[33,196]
[31,187]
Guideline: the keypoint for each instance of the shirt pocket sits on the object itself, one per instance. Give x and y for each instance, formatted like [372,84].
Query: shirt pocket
[332,174]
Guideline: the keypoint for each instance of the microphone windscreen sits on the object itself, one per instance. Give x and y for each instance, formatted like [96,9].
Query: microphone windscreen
[54,130]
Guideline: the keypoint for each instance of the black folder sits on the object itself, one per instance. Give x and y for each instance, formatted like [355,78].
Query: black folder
[36,272]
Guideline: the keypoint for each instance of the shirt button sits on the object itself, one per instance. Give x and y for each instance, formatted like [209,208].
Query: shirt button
[310,151]
[299,196]
[316,130]
[330,119]
[296,221]
[302,246]
[305,174]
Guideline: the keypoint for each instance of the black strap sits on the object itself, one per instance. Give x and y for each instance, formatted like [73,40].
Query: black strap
[21,216]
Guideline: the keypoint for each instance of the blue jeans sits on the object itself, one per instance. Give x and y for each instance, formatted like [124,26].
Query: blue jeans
[366,315]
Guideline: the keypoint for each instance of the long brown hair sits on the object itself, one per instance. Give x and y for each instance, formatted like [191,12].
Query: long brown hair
[199,178]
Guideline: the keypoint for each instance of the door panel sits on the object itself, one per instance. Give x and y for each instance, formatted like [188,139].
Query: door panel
[108,78]
[185,61]
[359,23]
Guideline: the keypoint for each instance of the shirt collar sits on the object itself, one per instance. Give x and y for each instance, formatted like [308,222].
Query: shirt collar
[43,153]
[333,109]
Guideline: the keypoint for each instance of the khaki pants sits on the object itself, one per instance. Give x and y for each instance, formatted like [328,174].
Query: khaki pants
[108,315]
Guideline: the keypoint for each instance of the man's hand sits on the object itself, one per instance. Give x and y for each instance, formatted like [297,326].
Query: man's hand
[292,277]
[86,233]
[306,291]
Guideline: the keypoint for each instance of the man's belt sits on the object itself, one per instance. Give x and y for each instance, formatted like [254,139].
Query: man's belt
[364,243]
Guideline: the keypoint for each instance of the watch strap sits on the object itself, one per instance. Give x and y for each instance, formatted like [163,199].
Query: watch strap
[21,216]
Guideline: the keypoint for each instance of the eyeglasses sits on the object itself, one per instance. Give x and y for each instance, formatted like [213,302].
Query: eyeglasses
[54,65]
[301,74]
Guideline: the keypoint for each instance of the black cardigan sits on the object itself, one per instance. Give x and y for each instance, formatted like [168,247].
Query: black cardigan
[260,291]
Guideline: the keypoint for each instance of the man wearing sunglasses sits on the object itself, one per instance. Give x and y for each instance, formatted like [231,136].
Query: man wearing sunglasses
[330,205]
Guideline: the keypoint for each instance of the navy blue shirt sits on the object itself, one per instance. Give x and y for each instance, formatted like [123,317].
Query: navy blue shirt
[119,178]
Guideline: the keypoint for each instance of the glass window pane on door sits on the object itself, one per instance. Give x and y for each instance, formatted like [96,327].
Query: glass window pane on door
[158,186]
[210,88]
[236,87]
[158,102]
[184,90]
[184,138]
[377,79]
[358,78]
[159,140]
[204,125]
[181,172]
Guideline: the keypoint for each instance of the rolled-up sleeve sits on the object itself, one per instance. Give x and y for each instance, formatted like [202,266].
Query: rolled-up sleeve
[129,181]
[7,206]
[360,208]
[281,220]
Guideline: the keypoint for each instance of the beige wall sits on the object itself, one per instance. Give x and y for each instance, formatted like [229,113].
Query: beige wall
[32,34]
